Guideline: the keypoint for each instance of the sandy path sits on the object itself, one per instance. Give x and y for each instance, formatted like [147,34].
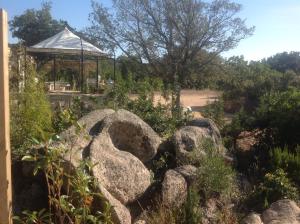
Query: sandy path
[196,99]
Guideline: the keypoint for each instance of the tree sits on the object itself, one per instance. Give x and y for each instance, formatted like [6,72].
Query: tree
[34,26]
[168,34]
[284,61]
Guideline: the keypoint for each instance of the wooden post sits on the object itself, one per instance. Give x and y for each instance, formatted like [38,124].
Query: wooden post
[5,156]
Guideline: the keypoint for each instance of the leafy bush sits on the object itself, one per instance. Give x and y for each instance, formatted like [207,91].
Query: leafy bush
[215,111]
[159,117]
[191,212]
[214,176]
[288,161]
[70,196]
[279,112]
[31,115]
[274,186]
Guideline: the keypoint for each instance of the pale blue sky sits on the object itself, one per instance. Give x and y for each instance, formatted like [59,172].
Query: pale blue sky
[277,22]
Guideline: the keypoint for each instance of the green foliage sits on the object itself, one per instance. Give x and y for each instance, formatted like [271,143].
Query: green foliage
[220,181]
[274,186]
[284,61]
[215,177]
[215,111]
[191,211]
[288,161]
[31,115]
[279,112]
[34,26]
[159,116]
[79,187]
[41,217]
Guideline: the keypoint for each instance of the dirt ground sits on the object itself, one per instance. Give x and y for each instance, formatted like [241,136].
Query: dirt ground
[195,99]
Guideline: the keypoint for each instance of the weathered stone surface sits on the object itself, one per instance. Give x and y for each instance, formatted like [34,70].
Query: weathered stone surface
[283,212]
[78,142]
[252,218]
[140,222]
[187,141]
[120,214]
[189,172]
[120,172]
[174,189]
[211,127]
[130,133]
[244,147]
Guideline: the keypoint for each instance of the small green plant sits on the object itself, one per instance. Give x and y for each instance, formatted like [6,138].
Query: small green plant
[162,215]
[274,186]
[288,161]
[31,115]
[191,211]
[214,176]
[70,192]
[29,217]
[215,111]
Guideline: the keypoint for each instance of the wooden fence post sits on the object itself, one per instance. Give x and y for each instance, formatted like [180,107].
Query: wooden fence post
[5,154]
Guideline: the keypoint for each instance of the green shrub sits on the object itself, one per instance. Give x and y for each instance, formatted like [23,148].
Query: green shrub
[288,161]
[70,197]
[191,212]
[159,117]
[31,115]
[275,186]
[214,177]
[215,111]
[279,113]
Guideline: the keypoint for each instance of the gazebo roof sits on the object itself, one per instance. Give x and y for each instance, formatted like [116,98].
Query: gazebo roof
[66,42]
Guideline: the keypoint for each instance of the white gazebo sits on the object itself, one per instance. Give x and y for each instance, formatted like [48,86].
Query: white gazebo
[67,43]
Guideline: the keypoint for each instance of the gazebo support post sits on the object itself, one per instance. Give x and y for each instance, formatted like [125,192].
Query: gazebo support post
[114,68]
[25,66]
[54,70]
[97,74]
[81,60]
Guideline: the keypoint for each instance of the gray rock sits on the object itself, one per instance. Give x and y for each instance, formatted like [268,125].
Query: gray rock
[120,214]
[188,141]
[189,172]
[252,218]
[120,172]
[283,211]
[76,141]
[129,133]
[210,126]
[174,189]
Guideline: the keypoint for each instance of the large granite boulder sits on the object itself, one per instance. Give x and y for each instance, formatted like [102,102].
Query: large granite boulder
[77,139]
[189,173]
[120,172]
[130,133]
[210,126]
[188,143]
[120,214]
[252,218]
[174,189]
[283,211]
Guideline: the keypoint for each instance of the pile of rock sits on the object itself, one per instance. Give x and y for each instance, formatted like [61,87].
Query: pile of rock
[283,212]
[120,144]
